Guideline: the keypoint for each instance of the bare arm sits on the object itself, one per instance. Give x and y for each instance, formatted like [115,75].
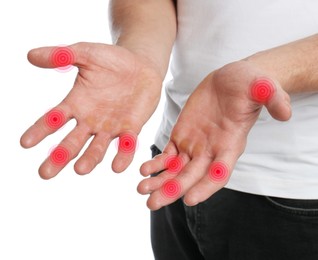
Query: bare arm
[145,27]
[294,65]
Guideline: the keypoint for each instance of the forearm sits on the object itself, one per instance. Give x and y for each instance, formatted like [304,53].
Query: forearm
[294,65]
[146,27]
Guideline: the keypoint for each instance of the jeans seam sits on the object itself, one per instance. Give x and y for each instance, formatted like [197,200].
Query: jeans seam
[293,210]
[199,239]
[198,218]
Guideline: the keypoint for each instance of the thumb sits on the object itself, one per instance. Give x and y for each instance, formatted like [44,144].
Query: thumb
[52,57]
[266,92]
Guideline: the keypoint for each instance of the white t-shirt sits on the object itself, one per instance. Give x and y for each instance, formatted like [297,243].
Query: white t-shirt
[281,158]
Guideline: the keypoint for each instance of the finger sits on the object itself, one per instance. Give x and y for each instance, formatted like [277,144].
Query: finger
[153,166]
[152,184]
[93,155]
[127,144]
[266,92]
[171,162]
[279,107]
[173,189]
[162,161]
[168,166]
[149,185]
[216,177]
[46,125]
[79,54]
[64,153]
[53,56]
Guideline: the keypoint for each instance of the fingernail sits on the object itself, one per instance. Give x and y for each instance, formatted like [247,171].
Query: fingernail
[192,204]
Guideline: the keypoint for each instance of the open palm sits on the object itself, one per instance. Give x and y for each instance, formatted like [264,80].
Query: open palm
[114,94]
[210,134]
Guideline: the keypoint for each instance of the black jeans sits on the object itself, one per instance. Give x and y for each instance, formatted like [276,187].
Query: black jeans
[236,225]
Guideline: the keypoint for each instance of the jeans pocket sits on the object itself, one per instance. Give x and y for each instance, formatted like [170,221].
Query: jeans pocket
[308,208]
[154,150]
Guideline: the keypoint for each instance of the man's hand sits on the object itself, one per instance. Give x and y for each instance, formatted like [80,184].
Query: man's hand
[210,134]
[114,94]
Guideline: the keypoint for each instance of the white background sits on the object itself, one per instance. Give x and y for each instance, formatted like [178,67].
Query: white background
[97,216]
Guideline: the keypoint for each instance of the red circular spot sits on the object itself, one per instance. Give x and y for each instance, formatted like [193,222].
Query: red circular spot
[55,119]
[219,172]
[262,90]
[59,156]
[171,189]
[62,58]
[173,164]
[127,143]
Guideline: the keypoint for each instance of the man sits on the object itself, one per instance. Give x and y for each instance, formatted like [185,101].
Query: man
[230,59]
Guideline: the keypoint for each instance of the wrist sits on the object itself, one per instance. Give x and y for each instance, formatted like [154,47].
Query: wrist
[247,79]
[147,54]
[264,62]
[294,64]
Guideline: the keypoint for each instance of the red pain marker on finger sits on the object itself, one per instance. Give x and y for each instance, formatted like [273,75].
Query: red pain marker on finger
[62,58]
[59,156]
[55,118]
[127,143]
[262,90]
[171,189]
[173,164]
[218,172]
